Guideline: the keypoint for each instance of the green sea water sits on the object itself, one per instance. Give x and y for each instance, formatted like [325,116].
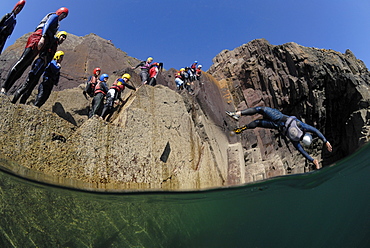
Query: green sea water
[325,208]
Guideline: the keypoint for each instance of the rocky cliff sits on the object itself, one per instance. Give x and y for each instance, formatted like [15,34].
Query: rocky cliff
[164,139]
[324,88]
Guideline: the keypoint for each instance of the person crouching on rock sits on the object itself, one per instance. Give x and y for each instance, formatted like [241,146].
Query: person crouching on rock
[114,93]
[180,79]
[100,92]
[50,78]
[289,126]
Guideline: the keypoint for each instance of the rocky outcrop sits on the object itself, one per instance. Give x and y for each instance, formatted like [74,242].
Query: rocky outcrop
[324,88]
[152,142]
[161,138]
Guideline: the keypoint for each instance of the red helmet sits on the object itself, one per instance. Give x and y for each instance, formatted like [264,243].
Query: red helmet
[96,69]
[20,3]
[62,10]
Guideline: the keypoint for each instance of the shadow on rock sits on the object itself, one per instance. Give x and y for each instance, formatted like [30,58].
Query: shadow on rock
[59,110]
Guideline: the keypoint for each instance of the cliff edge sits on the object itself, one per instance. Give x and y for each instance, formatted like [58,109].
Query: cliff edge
[162,138]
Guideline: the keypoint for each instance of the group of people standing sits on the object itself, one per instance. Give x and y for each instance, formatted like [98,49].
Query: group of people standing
[149,71]
[185,77]
[104,97]
[43,42]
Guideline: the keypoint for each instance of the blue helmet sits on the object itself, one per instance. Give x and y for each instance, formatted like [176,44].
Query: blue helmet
[103,76]
[121,80]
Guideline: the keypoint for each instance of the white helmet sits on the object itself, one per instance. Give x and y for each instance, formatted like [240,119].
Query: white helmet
[307,139]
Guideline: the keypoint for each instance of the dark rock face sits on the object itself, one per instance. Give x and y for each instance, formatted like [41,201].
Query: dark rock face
[324,88]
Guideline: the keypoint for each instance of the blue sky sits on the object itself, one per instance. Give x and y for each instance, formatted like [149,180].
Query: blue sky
[179,32]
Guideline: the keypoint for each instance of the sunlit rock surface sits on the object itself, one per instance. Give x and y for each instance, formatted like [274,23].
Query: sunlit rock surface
[161,138]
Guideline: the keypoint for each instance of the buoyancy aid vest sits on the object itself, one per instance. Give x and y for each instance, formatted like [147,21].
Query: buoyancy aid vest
[117,85]
[291,129]
[100,89]
[179,75]
[93,80]
[153,71]
[43,21]
[90,87]
[145,67]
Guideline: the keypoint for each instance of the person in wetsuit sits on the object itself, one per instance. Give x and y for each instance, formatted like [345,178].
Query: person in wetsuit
[115,92]
[8,22]
[91,83]
[101,90]
[37,69]
[290,126]
[144,66]
[155,68]
[37,42]
[50,78]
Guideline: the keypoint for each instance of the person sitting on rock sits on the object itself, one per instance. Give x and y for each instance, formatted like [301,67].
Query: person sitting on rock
[115,92]
[37,69]
[180,79]
[144,66]
[91,83]
[289,126]
[37,42]
[50,78]
[100,92]
[8,22]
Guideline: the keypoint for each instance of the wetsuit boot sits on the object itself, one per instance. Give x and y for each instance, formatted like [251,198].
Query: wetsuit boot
[240,129]
[233,115]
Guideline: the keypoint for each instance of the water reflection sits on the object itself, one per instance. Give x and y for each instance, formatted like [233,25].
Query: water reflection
[326,208]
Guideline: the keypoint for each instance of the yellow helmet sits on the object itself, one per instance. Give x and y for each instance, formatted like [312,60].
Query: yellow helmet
[58,54]
[126,75]
[61,33]
[150,58]
[182,69]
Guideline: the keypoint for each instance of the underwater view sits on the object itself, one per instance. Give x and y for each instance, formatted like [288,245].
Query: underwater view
[325,208]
